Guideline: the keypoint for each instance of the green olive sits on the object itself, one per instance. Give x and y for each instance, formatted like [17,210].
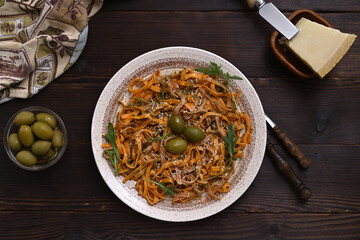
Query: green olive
[176,145]
[14,142]
[42,131]
[50,154]
[26,158]
[24,118]
[194,134]
[40,147]
[46,118]
[57,140]
[176,124]
[26,136]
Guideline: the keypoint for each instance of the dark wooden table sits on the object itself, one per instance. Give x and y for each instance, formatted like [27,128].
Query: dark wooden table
[71,201]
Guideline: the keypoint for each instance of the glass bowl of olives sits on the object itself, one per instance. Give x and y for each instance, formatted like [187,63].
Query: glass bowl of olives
[35,138]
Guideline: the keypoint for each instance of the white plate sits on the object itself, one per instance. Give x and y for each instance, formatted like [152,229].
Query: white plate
[168,59]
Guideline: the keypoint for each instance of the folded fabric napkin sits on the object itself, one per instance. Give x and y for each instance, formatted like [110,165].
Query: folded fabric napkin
[39,40]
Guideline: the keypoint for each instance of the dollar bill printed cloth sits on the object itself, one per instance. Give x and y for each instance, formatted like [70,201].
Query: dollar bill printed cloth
[40,40]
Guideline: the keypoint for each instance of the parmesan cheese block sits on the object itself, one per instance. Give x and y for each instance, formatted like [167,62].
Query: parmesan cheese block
[318,46]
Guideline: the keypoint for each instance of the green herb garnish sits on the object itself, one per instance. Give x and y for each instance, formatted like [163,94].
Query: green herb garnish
[162,93]
[230,142]
[141,100]
[166,189]
[114,153]
[163,137]
[151,139]
[215,70]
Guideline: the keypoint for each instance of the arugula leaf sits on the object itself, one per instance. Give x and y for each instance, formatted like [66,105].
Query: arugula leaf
[166,189]
[162,93]
[215,70]
[230,142]
[113,154]
[110,153]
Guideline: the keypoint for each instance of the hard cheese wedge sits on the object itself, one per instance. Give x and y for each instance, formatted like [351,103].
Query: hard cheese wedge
[318,46]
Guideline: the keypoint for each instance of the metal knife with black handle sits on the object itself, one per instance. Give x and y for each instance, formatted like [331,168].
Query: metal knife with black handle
[289,144]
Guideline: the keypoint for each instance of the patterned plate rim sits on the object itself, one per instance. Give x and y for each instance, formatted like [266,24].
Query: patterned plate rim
[173,58]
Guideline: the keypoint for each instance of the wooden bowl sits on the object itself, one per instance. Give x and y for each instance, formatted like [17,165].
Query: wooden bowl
[284,55]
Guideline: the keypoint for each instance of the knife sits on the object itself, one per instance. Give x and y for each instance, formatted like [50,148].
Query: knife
[272,15]
[285,168]
[289,144]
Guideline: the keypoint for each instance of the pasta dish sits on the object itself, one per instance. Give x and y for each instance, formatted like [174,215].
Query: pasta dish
[179,135]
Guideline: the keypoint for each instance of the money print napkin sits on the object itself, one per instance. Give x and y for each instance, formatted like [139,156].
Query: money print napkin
[39,40]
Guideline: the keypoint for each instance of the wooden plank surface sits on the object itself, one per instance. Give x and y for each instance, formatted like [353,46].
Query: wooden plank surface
[71,201]
[332,176]
[125,225]
[319,108]
[241,38]
[229,5]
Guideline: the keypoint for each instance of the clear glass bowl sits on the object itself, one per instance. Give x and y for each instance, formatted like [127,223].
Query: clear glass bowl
[12,128]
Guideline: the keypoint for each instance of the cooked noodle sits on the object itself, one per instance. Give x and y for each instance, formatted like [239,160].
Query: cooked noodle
[203,170]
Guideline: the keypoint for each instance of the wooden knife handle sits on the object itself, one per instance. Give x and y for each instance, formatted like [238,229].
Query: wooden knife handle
[251,3]
[285,168]
[293,149]
[255,3]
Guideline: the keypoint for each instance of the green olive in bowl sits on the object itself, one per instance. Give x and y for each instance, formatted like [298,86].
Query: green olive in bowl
[50,154]
[46,118]
[26,158]
[14,142]
[26,135]
[42,131]
[24,118]
[40,147]
[57,139]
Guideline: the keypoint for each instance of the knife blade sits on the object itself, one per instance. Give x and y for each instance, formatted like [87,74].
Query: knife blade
[273,16]
[289,144]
